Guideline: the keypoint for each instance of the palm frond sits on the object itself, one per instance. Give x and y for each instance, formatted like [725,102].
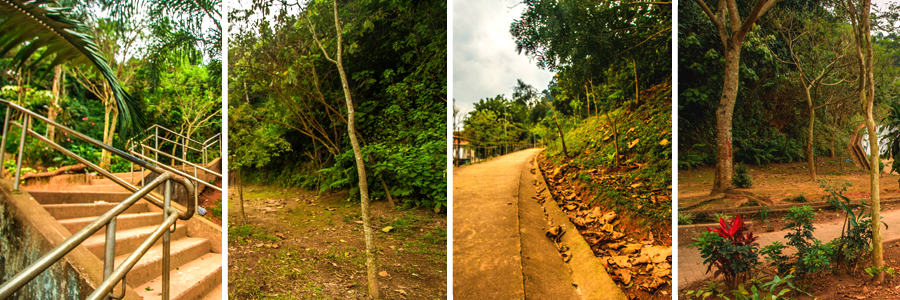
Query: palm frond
[30,25]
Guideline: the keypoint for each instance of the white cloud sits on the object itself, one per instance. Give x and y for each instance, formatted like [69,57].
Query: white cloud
[485,62]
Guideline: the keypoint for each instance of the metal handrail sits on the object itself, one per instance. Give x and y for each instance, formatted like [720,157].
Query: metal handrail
[108,219]
[183,174]
[184,146]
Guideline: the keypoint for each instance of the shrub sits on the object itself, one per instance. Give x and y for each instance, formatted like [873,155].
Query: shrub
[856,236]
[835,193]
[685,218]
[811,256]
[742,178]
[729,249]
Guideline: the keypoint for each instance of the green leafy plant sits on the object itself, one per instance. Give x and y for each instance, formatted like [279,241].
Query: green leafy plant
[721,216]
[685,218]
[768,290]
[764,214]
[835,194]
[873,271]
[729,249]
[811,256]
[742,177]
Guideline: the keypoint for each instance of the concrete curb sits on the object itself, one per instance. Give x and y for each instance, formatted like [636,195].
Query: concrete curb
[588,272]
[780,207]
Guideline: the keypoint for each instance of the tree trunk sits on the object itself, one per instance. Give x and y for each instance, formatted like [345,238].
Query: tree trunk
[54,104]
[562,137]
[615,129]
[810,153]
[240,185]
[725,118]
[360,166]
[864,56]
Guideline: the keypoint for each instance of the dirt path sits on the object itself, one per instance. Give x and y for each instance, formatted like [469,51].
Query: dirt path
[500,249]
[296,245]
[691,268]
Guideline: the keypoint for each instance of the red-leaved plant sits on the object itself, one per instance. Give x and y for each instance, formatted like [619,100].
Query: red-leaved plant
[730,248]
[734,231]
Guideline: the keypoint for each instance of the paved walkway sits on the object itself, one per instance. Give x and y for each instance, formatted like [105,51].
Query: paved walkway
[691,268]
[491,235]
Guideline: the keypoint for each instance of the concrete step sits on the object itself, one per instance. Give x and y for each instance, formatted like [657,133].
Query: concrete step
[215,294]
[123,222]
[192,280]
[67,197]
[100,188]
[150,266]
[80,210]
[128,240]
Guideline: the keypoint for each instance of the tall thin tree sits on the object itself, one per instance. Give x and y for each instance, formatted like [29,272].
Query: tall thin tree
[357,152]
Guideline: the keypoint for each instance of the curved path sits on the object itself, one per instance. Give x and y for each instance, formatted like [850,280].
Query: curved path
[499,247]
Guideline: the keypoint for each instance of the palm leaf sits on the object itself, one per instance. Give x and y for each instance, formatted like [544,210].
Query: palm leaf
[30,25]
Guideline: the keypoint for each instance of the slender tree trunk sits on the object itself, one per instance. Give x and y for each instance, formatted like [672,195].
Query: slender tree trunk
[240,185]
[810,153]
[863,38]
[612,123]
[725,118]
[637,91]
[54,104]
[360,166]
[562,136]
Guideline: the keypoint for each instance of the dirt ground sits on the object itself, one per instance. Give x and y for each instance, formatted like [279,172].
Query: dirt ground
[635,230]
[780,183]
[844,285]
[293,245]
[211,200]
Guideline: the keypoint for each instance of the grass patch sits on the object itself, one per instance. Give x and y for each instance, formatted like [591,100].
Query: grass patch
[241,233]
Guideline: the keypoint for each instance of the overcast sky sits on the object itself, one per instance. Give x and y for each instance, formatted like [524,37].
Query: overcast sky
[485,62]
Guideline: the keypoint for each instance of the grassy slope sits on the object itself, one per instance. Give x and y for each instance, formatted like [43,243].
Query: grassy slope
[645,173]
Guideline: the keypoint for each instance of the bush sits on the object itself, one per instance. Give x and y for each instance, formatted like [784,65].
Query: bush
[835,193]
[741,178]
[854,242]
[685,218]
[730,250]
[811,256]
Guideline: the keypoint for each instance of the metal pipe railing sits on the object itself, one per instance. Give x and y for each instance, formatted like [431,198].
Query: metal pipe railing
[150,197]
[16,282]
[108,219]
[182,174]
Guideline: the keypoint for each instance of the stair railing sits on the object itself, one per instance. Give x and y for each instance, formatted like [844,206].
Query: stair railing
[111,276]
[201,147]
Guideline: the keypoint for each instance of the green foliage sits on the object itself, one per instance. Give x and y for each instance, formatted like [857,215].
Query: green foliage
[733,261]
[854,243]
[733,253]
[742,177]
[243,232]
[764,214]
[768,290]
[52,29]
[835,193]
[685,218]
[811,255]
[874,271]
[216,209]
[290,111]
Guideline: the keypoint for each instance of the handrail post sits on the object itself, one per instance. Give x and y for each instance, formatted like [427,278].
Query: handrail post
[21,151]
[109,256]
[166,243]
[3,143]
[156,138]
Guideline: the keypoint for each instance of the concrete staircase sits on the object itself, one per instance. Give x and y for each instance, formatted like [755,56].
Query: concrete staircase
[76,200]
